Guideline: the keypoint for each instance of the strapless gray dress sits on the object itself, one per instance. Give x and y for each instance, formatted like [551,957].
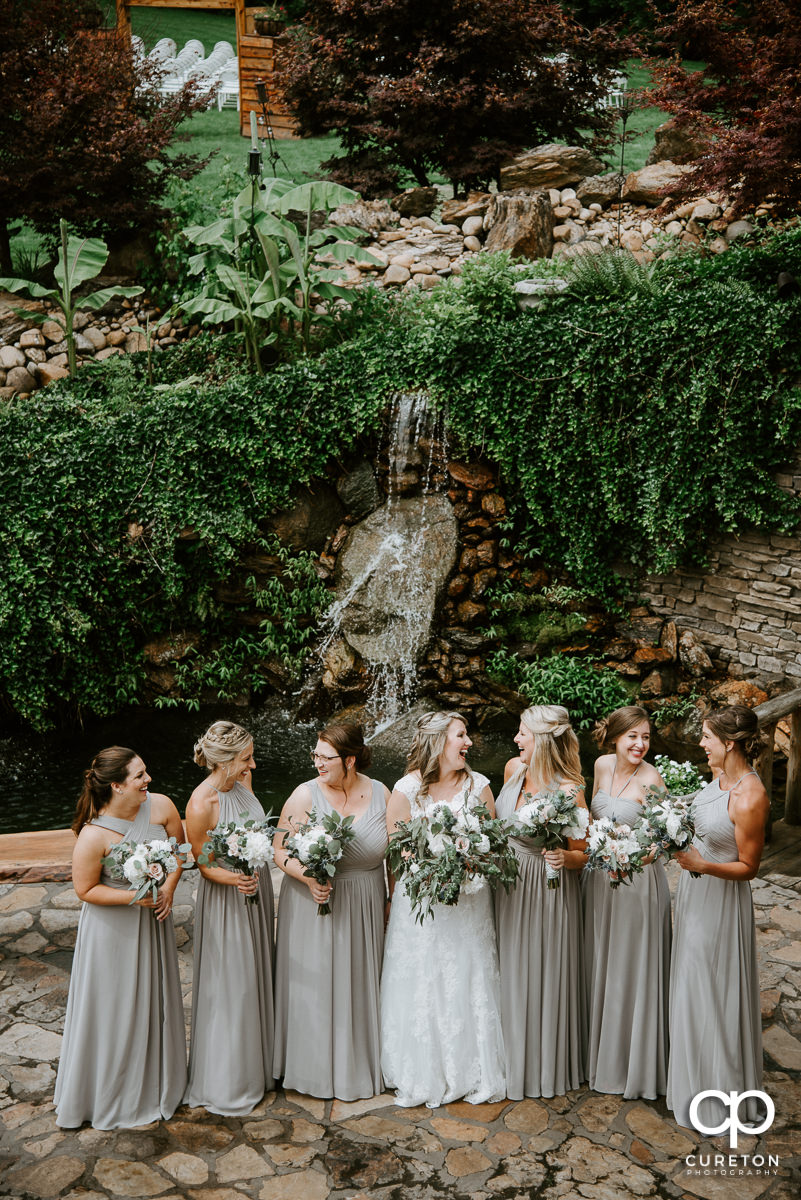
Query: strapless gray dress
[540,951]
[328,969]
[715,1017]
[627,969]
[123,1056]
[231,1046]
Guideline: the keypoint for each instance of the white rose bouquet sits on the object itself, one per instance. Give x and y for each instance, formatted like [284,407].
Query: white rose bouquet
[450,851]
[549,820]
[319,845]
[681,779]
[666,823]
[145,865]
[244,846]
[612,847]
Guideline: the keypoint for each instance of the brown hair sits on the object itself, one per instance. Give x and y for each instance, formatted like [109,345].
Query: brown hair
[109,766]
[556,750]
[737,723]
[428,745]
[220,744]
[347,738]
[613,726]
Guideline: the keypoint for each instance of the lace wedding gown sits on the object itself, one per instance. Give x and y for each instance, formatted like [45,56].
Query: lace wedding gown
[440,993]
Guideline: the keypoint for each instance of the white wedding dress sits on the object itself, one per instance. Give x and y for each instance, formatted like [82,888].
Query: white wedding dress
[441,1036]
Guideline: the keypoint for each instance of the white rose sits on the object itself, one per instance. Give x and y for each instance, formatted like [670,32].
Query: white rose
[472,884]
[438,843]
[135,869]
[160,845]
[673,825]
[258,849]
[483,844]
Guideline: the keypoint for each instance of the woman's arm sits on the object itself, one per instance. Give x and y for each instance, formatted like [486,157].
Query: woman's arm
[202,813]
[511,768]
[294,813]
[488,800]
[574,856]
[163,812]
[92,845]
[749,813]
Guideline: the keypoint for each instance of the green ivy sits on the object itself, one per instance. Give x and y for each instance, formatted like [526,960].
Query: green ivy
[627,430]
[586,691]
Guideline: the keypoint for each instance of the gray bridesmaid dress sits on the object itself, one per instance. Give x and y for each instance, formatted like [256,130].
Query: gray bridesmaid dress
[715,1017]
[540,951]
[123,1056]
[627,970]
[328,969]
[231,1046]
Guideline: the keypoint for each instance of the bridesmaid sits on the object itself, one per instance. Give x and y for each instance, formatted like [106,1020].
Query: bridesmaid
[328,968]
[715,1021]
[123,1056]
[539,929]
[626,930]
[231,1046]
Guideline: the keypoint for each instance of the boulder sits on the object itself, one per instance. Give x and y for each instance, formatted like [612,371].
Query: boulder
[599,189]
[20,379]
[52,331]
[311,520]
[739,229]
[416,202]
[738,691]
[521,224]
[472,226]
[396,274]
[358,491]
[677,145]
[692,655]
[31,337]
[706,210]
[651,184]
[549,166]
[95,338]
[370,215]
[47,373]
[11,356]
[456,211]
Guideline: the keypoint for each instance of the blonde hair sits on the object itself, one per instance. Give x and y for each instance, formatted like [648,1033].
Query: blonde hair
[610,728]
[428,745]
[220,744]
[556,749]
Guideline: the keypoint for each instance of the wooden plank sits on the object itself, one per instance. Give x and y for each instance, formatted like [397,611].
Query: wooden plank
[792,795]
[783,855]
[199,4]
[780,706]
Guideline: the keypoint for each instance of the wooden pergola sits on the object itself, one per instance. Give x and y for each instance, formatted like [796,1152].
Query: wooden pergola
[257,59]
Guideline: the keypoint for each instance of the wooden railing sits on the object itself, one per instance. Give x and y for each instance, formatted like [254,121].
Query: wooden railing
[769,714]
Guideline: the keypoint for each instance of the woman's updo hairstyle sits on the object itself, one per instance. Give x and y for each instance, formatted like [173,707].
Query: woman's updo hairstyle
[109,766]
[427,746]
[737,723]
[347,738]
[556,750]
[220,744]
[609,729]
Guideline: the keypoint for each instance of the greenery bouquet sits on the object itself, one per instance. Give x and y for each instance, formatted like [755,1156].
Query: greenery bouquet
[319,844]
[243,846]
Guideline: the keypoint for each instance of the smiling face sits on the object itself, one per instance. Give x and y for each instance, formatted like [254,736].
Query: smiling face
[134,786]
[328,763]
[524,740]
[240,767]
[713,747]
[632,746]
[454,753]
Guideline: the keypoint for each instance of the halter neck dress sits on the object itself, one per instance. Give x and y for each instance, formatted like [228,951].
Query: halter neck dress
[328,968]
[715,1016]
[540,948]
[231,1046]
[627,971]
[123,1055]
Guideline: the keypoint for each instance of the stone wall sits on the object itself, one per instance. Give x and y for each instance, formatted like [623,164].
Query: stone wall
[746,607]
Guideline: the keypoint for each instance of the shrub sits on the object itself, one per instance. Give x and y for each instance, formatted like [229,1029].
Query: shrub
[587,692]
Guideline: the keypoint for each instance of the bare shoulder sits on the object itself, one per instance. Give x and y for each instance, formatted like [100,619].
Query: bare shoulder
[751,800]
[201,799]
[511,767]
[649,776]
[300,803]
[160,806]
[603,768]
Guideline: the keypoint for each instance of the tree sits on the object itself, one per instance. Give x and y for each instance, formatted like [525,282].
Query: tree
[747,98]
[413,88]
[84,133]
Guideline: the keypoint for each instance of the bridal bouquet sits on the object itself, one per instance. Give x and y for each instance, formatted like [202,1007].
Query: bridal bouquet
[681,779]
[613,848]
[243,846]
[666,823]
[145,865]
[318,845]
[450,851]
[549,820]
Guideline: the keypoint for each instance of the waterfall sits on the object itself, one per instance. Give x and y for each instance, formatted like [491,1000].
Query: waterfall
[397,559]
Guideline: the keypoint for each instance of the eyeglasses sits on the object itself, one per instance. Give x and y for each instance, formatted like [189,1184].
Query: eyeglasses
[323,757]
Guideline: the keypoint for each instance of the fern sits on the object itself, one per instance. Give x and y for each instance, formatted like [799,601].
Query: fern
[613,272]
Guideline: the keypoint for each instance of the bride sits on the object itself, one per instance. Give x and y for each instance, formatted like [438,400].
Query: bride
[440,988]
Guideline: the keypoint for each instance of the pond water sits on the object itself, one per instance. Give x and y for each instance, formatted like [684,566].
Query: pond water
[41,776]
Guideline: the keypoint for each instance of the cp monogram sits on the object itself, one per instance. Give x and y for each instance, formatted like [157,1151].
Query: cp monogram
[732,1100]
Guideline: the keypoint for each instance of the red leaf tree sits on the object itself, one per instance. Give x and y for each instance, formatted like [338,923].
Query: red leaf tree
[84,134]
[747,98]
[414,87]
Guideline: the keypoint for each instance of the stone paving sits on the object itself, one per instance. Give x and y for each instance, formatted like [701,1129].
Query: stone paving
[293,1147]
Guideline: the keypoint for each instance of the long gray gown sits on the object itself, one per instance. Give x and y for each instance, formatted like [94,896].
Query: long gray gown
[540,951]
[123,1056]
[627,969]
[715,1018]
[328,969]
[231,1046]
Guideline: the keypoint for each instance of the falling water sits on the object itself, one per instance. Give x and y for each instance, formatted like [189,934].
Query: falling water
[385,610]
